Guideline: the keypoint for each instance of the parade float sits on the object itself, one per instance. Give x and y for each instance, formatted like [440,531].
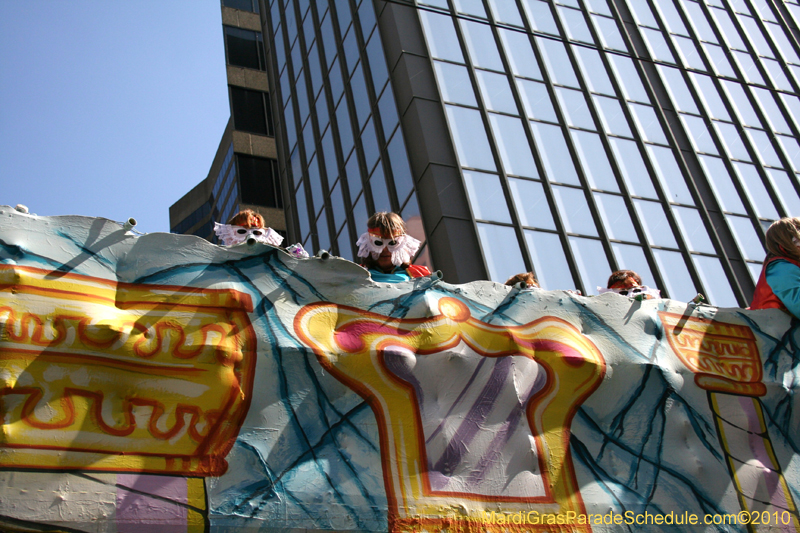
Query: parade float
[162,383]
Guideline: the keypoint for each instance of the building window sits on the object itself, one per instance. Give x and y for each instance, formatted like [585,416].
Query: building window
[244,5]
[244,48]
[258,178]
[251,111]
[199,214]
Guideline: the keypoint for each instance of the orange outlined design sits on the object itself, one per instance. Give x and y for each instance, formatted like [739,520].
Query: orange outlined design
[726,363]
[351,343]
[724,357]
[101,375]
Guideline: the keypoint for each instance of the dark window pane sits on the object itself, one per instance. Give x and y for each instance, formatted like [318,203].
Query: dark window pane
[520,54]
[315,70]
[532,207]
[302,212]
[591,261]
[249,113]
[441,36]
[501,251]
[574,210]
[481,45]
[323,237]
[244,5]
[337,85]
[615,216]
[366,15]
[632,258]
[244,48]
[360,96]
[513,146]
[677,280]
[259,181]
[633,169]
[388,111]
[377,62]
[354,183]
[328,39]
[380,196]
[454,83]
[403,181]
[316,185]
[718,289]
[540,17]
[351,50]
[655,224]
[370,143]
[280,49]
[343,243]
[549,261]
[329,151]
[345,129]
[343,12]
[486,197]
[360,215]
[337,203]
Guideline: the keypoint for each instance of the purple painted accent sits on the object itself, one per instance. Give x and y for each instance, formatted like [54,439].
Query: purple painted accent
[477,414]
[136,510]
[749,409]
[170,487]
[758,446]
[458,400]
[509,427]
[394,359]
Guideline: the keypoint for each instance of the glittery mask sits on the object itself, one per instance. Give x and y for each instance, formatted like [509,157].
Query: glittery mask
[230,234]
[403,246]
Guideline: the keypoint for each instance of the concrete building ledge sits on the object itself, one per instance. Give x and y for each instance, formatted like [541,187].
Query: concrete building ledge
[240,19]
[248,78]
[252,144]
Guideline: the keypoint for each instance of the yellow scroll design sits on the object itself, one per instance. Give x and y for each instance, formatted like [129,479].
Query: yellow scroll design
[350,342]
[101,375]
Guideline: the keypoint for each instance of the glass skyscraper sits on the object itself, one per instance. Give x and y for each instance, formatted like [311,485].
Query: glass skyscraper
[569,137]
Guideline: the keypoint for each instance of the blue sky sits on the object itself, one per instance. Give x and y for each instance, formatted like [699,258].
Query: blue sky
[109,109]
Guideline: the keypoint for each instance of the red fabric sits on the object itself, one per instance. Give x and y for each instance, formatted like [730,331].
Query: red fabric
[418,271]
[763,297]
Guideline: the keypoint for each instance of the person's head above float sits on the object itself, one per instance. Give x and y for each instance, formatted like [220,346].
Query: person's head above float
[624,279]
[246,226]
[247,218]
[629,283]
[386,245]
[528,278]
[783,238]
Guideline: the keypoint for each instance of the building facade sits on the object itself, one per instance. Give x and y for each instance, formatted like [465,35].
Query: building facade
[570,137]
[244,173]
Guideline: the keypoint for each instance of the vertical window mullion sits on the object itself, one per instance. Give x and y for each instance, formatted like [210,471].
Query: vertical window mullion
[648,251]
[759,113]
[282,138]
[372,93]
[315,129]
[512,208]
[348,97]
[712,131]
[678,153]
[585,185]
[735,118]
[545,180]
[492,143]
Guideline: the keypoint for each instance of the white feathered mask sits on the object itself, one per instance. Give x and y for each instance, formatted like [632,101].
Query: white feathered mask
[402,246]
[230,234]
